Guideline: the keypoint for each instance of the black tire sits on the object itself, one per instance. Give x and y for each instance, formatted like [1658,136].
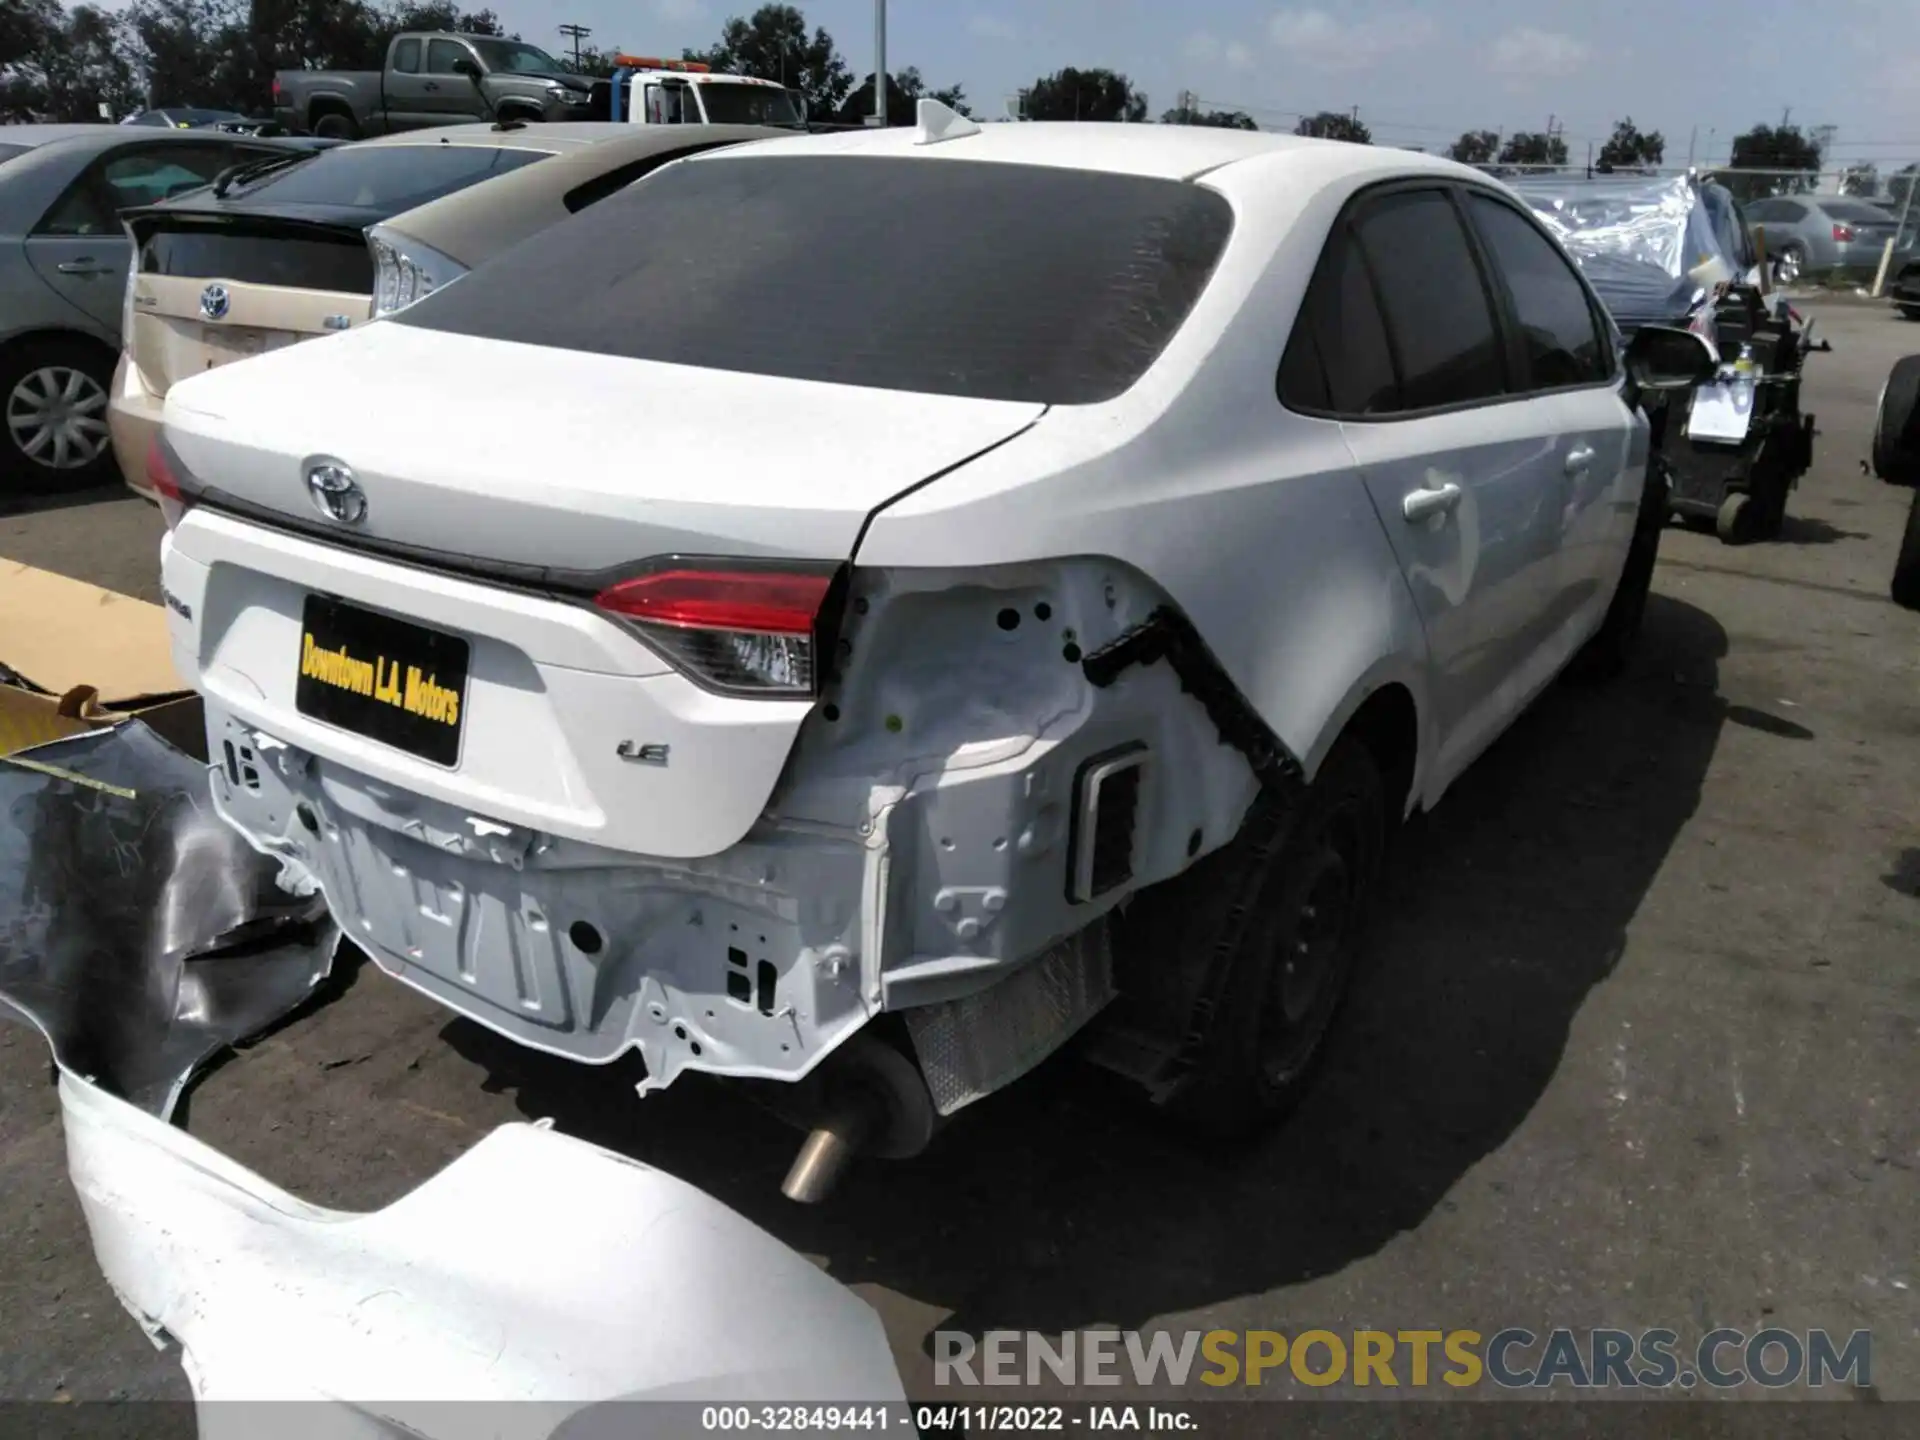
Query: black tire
[38,379]
[1908,312]
[1737,520]
[1906,570]
[1606,652]
[1290,897]
[1896,425]
[336,125]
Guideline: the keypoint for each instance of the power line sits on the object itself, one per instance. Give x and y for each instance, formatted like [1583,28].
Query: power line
[576,33]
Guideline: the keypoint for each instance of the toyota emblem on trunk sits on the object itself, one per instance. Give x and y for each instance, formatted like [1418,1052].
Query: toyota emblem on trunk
[214,301]
[336,494]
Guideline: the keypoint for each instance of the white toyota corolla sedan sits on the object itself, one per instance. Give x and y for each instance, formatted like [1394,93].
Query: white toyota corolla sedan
[851,610]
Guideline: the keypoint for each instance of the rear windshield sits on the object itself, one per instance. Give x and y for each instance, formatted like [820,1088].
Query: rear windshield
[387,177]
[1856,212]
[948,277]
[749,105]
[254,255]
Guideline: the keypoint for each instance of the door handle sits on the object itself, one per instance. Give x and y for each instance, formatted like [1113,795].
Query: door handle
[85,265]
[1424,504]
[430,85]
[1579,458]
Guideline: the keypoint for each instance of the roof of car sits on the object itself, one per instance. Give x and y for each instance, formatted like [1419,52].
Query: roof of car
[568,135]
[43,134]
[1174,152]
[471,224]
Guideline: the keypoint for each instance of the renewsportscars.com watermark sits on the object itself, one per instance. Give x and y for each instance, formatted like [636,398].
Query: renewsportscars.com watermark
[1513,1359]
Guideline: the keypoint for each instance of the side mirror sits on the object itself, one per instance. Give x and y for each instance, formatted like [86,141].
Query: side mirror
[1662,357]
[466,67]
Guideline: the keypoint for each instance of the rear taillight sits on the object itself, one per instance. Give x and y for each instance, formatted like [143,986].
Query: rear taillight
[276,90]
[164,476]
[1843,232]
[741,631]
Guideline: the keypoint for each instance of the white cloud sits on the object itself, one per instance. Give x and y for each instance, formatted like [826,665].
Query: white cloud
[990,27]
[1205,48]
[1531,54]
[1331,44]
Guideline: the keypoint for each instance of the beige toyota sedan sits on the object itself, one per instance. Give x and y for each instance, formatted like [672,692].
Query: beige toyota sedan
[290,248]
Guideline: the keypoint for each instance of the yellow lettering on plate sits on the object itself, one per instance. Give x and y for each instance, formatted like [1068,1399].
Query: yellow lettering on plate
[427,697]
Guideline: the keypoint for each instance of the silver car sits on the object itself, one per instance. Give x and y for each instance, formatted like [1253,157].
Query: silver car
[1809,234]
[63,274]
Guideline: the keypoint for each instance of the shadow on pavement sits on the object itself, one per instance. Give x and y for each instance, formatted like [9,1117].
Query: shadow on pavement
[1050,1207]
[1805,530]
[17,498]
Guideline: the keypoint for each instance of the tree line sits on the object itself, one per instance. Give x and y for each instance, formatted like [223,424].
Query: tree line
[58,63]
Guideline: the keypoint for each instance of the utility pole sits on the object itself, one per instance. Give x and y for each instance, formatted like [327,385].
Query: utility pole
[880,62]
[1692,135]
[576,33]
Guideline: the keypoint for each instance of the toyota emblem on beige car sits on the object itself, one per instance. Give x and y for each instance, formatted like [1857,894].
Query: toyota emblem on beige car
[336,494]
[214,302]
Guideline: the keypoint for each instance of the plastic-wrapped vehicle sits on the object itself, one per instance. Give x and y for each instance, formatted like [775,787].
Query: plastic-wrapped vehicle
[1677,250]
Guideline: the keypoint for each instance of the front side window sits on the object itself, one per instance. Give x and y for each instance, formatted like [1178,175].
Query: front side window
[1433,299]
[406,57]
[670,105]
[1559,336]
[442,55]
[995,281]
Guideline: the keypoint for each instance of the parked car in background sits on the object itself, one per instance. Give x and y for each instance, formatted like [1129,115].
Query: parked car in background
[284,253]
[426,83]
[1903,271]
[63,273]
[184,117]
[1816,234]
[891,614]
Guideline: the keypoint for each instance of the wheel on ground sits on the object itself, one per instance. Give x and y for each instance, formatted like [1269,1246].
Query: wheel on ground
[335,126]
[1906,570]
[53,402]
[1896,425]
[1288,899]
[1789,263]
[1606,651]
[1734,523]
[1908,312]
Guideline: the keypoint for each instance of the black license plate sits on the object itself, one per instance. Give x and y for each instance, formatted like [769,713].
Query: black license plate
[386,679]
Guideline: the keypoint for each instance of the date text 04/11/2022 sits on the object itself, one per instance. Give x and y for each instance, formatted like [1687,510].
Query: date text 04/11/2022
[928,1420]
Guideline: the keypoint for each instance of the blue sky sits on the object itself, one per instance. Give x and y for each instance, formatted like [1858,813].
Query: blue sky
[1420,71]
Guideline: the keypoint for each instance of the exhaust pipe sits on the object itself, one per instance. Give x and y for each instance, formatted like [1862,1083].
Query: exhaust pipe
[829,1149]
[869,1099]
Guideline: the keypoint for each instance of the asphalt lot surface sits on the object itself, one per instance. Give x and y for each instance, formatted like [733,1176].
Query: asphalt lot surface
[1637,1044]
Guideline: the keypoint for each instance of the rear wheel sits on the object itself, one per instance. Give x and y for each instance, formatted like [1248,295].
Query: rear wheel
[1290,896]
[1896,425]
[1906,570]
[335,125]
[53,414]
[1790,263]
[1909,312]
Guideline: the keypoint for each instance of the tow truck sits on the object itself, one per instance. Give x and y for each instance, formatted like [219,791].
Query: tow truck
[647,90]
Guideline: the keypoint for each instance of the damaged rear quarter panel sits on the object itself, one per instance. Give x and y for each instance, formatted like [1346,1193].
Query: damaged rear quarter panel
[1252,520]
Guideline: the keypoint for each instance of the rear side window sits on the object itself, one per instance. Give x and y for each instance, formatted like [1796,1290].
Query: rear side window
[1434,301]
[388,177]
[1558,333]
[1338,358]
[233,250]
[948,277]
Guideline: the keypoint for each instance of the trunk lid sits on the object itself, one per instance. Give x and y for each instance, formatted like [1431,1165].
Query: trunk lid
[531,459]
[213,288]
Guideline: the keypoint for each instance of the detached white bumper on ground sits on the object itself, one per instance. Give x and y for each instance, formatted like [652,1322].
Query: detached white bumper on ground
[536,1267]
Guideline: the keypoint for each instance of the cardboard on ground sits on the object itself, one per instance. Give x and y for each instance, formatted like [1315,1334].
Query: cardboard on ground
[92,657]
